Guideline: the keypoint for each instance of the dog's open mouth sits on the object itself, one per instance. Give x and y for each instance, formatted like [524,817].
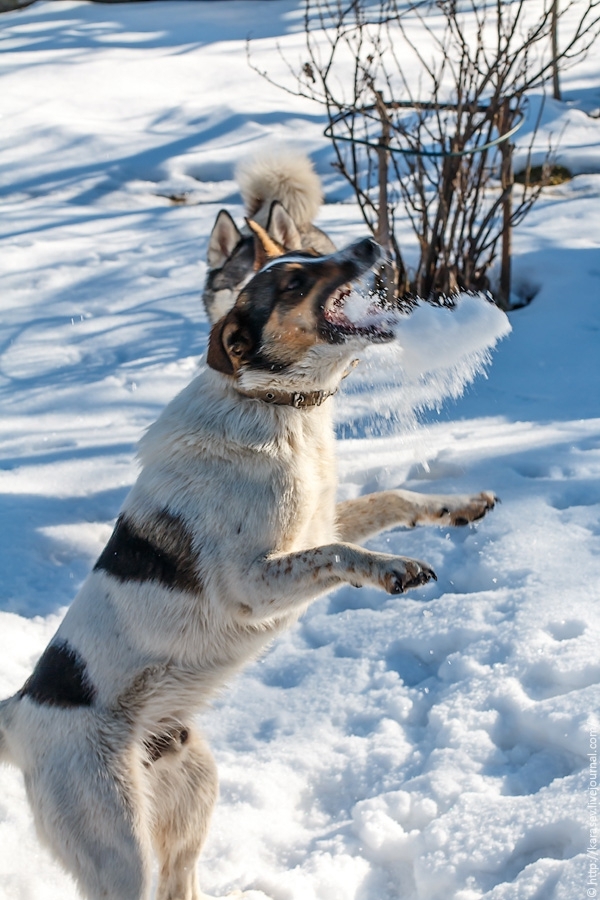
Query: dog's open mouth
[354,310]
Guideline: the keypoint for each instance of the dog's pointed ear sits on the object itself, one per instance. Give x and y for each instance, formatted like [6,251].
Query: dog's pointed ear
[229,344]
[223,240]
[265,248]
[282,228]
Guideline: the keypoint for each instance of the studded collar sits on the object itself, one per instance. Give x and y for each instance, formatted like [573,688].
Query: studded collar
[297,399]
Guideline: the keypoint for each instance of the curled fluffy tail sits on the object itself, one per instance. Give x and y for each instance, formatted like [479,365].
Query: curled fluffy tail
[286,176]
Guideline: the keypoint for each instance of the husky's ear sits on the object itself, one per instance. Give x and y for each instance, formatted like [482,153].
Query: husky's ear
[223,240]
[265,248]
[229,344]
[282,228]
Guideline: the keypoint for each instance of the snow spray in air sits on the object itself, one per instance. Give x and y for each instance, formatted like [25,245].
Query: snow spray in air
[437,350]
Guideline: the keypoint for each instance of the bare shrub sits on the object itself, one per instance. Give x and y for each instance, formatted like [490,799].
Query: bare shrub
[422,100]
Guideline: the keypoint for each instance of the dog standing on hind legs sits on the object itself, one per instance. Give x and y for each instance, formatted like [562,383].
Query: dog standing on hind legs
[229,533]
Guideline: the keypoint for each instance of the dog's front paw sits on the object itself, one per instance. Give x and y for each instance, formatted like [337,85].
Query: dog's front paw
[402,574]
[464,509]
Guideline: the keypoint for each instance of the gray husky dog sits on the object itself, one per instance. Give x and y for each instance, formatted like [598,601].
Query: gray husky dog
[282,193]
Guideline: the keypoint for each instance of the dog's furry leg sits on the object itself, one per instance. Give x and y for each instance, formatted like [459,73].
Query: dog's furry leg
[182,785]
[361,518]
[283,584]
[88,810]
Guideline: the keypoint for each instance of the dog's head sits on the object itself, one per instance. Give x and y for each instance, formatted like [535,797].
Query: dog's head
[233,255]
[232,260]
[288,326]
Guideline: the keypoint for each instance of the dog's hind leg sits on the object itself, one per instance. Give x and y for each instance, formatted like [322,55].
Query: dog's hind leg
[182,786]
[91,818]
[361,518]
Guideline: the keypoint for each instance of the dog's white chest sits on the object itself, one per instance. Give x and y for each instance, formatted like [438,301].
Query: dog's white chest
[307,502]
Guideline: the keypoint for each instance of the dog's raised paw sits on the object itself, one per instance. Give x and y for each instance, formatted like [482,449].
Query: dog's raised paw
[407,574]
[461,510]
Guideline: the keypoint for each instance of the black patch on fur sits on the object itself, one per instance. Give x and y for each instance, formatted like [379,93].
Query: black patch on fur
[159,550]
[168,741]
[59,679]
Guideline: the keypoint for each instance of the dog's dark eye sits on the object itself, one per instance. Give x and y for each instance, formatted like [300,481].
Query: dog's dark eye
[295,282]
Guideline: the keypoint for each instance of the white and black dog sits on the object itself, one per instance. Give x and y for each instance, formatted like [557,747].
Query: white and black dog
[230,532]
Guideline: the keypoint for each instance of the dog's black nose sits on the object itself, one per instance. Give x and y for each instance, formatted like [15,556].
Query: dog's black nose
[367,251]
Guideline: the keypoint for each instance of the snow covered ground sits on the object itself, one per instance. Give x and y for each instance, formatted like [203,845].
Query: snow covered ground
[434,747]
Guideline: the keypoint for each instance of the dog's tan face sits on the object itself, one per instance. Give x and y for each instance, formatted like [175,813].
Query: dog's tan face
[293,304]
